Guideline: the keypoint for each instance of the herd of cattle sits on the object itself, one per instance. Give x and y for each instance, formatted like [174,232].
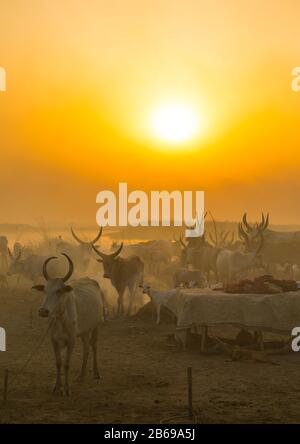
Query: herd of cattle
[75,308]
[219,257]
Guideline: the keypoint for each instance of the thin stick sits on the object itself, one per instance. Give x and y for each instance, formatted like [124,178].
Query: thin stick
[190,392]
[5,386]
[203,339]
[31,318]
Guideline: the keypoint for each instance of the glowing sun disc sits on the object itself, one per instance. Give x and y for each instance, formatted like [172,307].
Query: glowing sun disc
[175,123]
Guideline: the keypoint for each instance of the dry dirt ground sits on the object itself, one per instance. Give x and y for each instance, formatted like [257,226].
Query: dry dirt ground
[144,377]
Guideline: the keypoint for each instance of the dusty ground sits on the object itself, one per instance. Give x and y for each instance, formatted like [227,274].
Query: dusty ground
[144,377]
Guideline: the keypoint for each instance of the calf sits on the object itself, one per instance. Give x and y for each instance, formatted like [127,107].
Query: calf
[158,298]
[73,311]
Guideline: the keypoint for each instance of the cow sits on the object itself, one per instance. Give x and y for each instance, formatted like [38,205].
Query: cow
[280,247]
[253,231]
[184,276]
[202,256]
[85,247]
[225,240]
[123,273]
[285,271]
[30,268]
[73,311]
[158,298]
[3,255]
[155,254]
[229,263]
[17,248]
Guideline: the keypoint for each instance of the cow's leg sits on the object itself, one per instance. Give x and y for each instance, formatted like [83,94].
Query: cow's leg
[121,301]
[94,342]
[132,292]
[208,278]
[57,351]
[216,275]
[158,308]
[67,366]
[85,348]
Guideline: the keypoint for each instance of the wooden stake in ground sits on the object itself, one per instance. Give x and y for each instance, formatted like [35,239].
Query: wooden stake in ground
[190,392]
[203,339]
[5,386]
[31,318]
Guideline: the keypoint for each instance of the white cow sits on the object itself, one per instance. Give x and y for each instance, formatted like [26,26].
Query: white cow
[231,263]
[158,298]
[75,310]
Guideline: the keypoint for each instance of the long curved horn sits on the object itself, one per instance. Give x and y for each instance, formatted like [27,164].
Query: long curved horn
[106,256]
[76,237]
[261,225]
[192,227]
[267,222]
[97,237]
[230,242]
[71,268]
[264,223]
[215,227]
[182,243]
[243,235]
[248,227]
[211,238]
[261,243]
[45,273]
[225,236]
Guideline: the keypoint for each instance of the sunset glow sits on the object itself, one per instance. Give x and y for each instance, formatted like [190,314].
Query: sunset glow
[175,123]
[162,97]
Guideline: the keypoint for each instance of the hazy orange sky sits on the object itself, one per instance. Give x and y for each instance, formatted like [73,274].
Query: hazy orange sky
[84,77]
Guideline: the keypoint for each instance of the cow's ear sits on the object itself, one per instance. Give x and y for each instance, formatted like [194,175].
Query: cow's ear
[66,289]
[38,287]
[100,261]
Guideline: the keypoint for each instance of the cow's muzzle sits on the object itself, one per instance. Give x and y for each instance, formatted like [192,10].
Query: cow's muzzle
[43,312]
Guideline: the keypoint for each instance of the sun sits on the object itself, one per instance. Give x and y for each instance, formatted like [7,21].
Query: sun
[175,123]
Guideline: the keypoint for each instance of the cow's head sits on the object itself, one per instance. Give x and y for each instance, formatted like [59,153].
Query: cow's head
[250,233]
[257,260]
[55,290]
[107,260]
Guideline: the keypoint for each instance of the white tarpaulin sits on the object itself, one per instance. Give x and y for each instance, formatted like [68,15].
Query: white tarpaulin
[276,313]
